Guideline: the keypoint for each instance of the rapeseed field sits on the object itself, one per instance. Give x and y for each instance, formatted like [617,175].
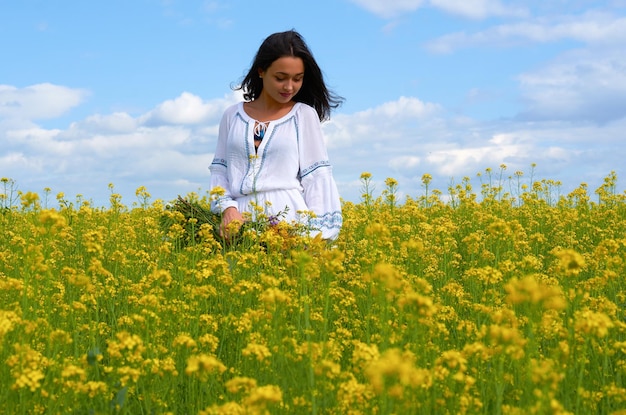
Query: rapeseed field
[508,299]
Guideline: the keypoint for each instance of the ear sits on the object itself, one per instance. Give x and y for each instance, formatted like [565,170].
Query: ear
[261,72]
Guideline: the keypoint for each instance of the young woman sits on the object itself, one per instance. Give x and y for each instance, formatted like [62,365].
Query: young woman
[270,151]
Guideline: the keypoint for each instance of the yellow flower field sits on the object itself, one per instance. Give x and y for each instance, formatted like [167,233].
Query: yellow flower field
[506,300]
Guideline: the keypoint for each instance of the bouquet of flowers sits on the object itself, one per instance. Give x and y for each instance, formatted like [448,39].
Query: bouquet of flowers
[190,215]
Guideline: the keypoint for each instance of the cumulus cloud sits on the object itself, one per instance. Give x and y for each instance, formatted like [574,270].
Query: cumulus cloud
[402,163]
[590,28]
[387,9]
[497,150]
[118,122]
[168,145]
[403,138]
[185,109]
[13,161]
[387,122]
[579,85]
[476,9]
[38,102]
[584,84]
[390,143]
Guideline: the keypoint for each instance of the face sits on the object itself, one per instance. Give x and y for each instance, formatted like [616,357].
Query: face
[283,79]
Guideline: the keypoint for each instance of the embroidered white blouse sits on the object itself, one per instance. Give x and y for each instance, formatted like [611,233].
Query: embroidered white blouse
[290,169]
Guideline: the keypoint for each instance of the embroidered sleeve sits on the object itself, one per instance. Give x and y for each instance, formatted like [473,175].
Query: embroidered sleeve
[219,171]
[320,190]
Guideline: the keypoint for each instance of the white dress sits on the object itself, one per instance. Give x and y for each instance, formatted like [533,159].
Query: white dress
[290,169]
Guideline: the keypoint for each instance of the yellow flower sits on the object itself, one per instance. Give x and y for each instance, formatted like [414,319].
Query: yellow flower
[594,323]
[185,340]
[399,366]
[261,396]
[424,304]
[426,179]
[61,337]
[240,384]
[93,388]
[229,408]
[142,192]
[486,275]
[8,320]
[377,230]
[52,219]
[260,351]
[388,275]
[351,394]
[546,371]
[202,365]
[29,378]
[570,261]
[453,359]
[217,192]
[274,295]
[127,374]
[530,290]
[128,346]
[73,370]
[209,341]
[391,182]
[27,367]
[29,199]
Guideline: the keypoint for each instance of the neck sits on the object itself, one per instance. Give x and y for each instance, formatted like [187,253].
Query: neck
[269,105]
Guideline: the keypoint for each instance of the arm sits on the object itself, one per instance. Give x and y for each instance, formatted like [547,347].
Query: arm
[221,200]
[320,190]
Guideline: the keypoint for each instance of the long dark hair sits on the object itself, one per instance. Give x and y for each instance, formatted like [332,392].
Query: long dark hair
[313,91]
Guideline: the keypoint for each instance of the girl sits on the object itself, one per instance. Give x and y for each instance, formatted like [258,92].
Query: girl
[270,150]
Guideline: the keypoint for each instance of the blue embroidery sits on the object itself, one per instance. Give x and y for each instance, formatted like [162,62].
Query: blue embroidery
[245,139]
[220,162]
[263,155]
[329,220]
[313,167]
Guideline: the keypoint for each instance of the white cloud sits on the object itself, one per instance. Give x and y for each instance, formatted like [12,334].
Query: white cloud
[478,9]
[117,148]
[14,161]
[475,9]
[579,85]
[404,139]
[388,144]
[404,107]
[591,28]
[387,122]
[494,152]
[118,122]
[404,162]
[387,9]
[37,102]
[186,109]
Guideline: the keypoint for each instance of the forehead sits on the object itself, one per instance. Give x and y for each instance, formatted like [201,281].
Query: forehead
[289,65]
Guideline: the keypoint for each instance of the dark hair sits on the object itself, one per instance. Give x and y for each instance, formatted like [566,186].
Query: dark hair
[313,91]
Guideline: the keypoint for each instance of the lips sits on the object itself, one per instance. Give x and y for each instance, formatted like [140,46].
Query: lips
[285,95]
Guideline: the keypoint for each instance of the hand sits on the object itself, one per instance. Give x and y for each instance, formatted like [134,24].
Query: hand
[231,222]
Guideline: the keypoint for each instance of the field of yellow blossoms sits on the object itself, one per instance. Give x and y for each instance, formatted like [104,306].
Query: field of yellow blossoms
[507,299]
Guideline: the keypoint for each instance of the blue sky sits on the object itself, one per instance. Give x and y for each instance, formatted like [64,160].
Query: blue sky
[131,92]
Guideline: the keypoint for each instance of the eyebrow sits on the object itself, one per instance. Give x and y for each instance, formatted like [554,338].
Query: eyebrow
[285,73]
